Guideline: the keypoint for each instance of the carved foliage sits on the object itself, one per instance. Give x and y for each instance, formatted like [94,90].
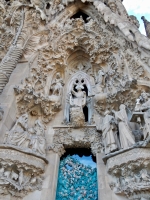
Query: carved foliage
[64,138]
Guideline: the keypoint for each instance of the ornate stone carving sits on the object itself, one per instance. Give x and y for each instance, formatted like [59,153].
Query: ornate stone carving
[32,139]
[19,173]
[109,132]
[33,94]
[130,176]
[126,137]
[66,138]
[79,96]
[104,48]
[77,117]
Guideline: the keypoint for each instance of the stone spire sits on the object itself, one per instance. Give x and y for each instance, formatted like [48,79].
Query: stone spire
[147,26]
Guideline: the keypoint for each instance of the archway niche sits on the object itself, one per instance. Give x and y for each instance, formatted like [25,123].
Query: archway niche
[79,82]
[77,177]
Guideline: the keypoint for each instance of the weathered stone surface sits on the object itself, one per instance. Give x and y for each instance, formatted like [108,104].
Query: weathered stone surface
[73,74]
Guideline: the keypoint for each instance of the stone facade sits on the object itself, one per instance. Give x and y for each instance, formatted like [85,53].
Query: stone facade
[73,74]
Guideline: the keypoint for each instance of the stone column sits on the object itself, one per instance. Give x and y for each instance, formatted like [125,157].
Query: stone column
[51,177]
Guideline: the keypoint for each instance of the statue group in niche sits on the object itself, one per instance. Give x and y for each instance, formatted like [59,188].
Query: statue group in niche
[27,138]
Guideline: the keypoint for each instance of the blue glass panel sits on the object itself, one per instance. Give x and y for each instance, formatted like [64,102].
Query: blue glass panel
[77,179]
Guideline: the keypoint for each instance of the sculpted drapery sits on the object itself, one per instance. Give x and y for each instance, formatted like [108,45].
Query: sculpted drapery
[125,133]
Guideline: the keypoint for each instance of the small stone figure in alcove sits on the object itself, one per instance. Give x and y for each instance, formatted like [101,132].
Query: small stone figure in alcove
[57,85]
[77,102]
[100,81]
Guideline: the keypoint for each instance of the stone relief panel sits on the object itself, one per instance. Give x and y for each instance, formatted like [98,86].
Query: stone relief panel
[130,176]
[19,173]
[28,139]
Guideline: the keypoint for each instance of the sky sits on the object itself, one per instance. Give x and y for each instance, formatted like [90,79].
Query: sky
[138,8]
[86,160]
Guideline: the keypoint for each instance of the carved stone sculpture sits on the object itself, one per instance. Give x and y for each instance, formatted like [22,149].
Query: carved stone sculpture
[109,133]
[69,61]
[38,142]
[145,107]
[80,97]
[19,173]
[125,133]
[30,139]
[19,135]
[130,176]
[57,85]
[77,103]
[100,81]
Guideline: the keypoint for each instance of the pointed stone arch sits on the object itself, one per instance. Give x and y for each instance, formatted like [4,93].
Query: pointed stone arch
[79,76]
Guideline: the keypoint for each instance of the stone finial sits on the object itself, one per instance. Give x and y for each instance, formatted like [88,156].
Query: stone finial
[147,26]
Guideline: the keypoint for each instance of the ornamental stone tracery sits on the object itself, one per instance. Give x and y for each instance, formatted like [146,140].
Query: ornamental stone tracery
[73,74]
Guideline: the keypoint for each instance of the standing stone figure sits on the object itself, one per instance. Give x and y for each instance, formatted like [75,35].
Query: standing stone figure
[79,99]
[126,137]
[38,141]
[145,107]
[19,135]
[77,103]
[109,132]
[57,85]
[100,81]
